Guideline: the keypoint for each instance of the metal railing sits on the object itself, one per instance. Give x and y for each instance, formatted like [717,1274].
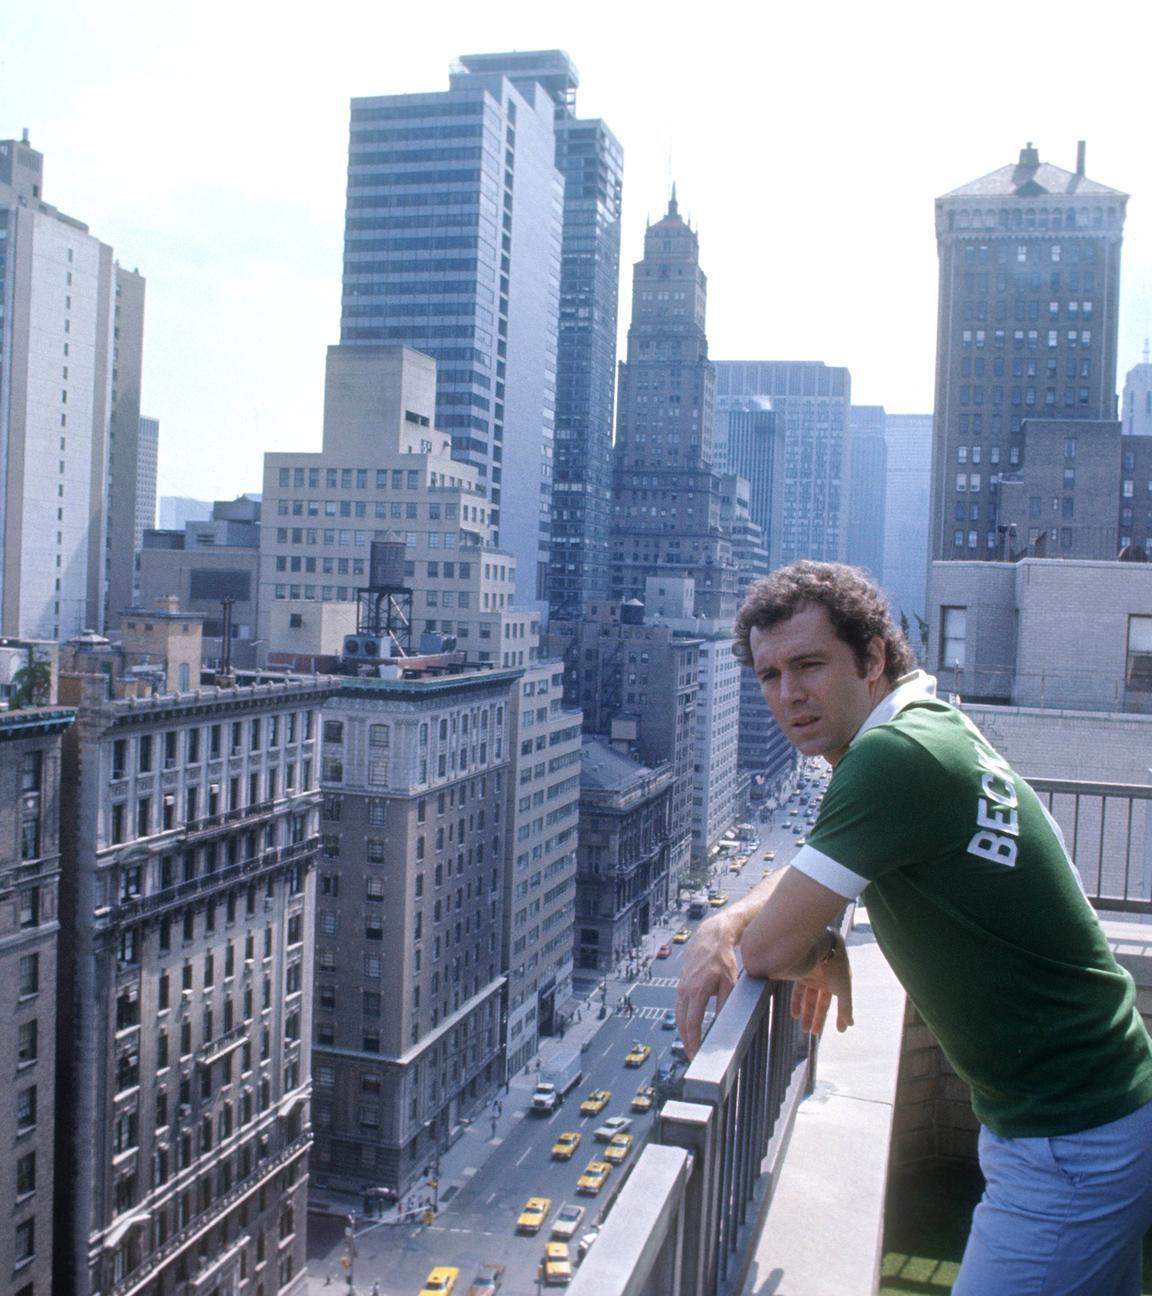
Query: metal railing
[683,1222]
[1107,829]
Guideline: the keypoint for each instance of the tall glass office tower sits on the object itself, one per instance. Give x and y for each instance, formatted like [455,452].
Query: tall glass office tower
[591,161]
[452,246]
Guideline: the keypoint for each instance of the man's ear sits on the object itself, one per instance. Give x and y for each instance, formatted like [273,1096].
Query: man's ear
[877,659]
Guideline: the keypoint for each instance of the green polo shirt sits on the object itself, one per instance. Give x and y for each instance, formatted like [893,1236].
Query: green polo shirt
[976,905]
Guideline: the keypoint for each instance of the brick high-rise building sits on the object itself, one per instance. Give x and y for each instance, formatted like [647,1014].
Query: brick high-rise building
[1027,325]
[666,493]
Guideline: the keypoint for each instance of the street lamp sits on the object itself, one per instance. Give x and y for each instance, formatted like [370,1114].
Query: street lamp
[434,1181]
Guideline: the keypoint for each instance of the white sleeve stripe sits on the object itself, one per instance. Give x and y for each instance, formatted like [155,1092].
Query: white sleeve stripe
[825,870]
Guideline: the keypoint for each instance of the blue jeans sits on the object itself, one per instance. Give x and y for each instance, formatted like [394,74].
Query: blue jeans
[1062,1216]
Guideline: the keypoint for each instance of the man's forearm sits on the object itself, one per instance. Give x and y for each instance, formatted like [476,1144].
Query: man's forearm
[735,920]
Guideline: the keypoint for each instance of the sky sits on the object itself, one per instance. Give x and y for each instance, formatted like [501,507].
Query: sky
[207,144]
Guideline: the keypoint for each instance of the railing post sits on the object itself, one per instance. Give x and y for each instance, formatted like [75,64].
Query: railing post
[691,1126]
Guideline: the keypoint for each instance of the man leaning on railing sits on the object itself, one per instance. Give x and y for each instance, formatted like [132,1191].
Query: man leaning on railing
[976,905]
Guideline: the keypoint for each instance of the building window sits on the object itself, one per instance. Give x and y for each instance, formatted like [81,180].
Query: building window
[1138,673]
[28,908]
[26,1108]
[29,975]
[953,635]
[31,767]
[25,1240]
[27,1042]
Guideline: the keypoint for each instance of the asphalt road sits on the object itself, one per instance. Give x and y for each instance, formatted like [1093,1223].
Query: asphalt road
[477,1221]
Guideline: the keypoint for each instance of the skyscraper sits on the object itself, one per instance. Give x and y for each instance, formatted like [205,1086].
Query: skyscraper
[69,408]
[591,162]
[128,445]
[666,496]
[748,445]
[1029,294]
[909,441]
[809,489]
[868,462]
[452,246]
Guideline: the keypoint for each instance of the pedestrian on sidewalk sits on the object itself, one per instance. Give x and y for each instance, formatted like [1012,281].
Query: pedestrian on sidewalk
[493,1126]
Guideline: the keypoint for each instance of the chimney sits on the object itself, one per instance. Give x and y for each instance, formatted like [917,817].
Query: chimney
[1081,149]
[1029,157]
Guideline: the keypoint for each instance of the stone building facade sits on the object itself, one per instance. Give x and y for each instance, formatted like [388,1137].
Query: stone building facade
[410,919]
[185,989]
[625,827]
[29,933]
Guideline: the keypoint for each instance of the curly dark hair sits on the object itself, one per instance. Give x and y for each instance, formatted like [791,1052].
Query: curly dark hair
[857,609]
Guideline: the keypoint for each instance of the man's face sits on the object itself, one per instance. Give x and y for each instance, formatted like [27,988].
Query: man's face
[813,683]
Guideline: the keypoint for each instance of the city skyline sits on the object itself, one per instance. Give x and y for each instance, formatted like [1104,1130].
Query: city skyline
[236,215]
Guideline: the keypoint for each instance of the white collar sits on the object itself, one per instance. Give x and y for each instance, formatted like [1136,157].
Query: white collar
[916,686]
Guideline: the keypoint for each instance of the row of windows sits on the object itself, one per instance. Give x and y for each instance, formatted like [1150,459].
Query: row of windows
[169,751]
[1024,310]
[973,394]
[383,509]
[347,538]
[1022,338]
[976,367]
[980,283]
[356,478]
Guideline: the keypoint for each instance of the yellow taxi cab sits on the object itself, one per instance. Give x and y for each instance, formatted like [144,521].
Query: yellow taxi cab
[644,1099]
[440,1281]
[618,1148]
[638,1054]
[592,1180]
[596,1101]
[557,1264]
[718,901]
[565,1145]
[682,936]
[533,1215]
[769,855]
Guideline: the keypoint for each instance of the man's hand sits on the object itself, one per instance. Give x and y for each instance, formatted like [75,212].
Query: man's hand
[812,994]
[710,970]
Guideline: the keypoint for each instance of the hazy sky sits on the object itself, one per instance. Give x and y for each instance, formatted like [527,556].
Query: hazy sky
[207,144]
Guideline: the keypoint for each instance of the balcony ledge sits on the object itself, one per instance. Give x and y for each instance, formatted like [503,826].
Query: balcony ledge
[824,1227]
